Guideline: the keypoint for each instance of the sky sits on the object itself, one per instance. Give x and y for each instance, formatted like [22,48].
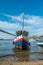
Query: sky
[11,16]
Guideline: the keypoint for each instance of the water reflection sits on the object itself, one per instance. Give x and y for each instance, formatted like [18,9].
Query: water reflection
[33,54]
[23,55]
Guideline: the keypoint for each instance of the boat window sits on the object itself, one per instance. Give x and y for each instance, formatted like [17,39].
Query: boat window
[25,33]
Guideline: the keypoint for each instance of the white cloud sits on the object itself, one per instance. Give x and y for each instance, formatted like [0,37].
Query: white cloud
[30,19]
[6,24]
[9,27]
[34,23]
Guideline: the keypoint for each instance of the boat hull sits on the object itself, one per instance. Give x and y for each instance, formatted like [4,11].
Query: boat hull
[40,44]
[21,43]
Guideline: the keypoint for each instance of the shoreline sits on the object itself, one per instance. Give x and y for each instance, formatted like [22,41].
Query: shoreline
[19,58]
[21,63]
[20,53]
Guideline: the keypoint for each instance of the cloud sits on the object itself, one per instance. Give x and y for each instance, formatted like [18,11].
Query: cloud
[6,24]
[32,23]
[30,19]
[9,27]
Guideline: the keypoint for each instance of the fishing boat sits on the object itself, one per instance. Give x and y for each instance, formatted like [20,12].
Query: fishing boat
[21,40]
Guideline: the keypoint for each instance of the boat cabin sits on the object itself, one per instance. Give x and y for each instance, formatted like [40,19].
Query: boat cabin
[25,33]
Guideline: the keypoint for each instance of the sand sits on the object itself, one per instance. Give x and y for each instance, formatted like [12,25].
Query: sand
[21,63]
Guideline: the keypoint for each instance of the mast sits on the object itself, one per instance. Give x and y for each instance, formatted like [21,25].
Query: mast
[23,23]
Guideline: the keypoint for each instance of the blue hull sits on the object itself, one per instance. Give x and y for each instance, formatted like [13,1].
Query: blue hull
[24,44]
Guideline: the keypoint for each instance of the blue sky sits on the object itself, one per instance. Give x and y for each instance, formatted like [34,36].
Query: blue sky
[11,16]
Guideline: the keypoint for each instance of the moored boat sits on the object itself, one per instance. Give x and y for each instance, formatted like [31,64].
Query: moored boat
[22,40]
[40,43]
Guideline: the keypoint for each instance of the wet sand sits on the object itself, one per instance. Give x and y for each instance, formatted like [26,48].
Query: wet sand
[21,58]
[21,63]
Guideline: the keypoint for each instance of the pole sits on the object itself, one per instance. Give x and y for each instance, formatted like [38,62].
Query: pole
[23,23]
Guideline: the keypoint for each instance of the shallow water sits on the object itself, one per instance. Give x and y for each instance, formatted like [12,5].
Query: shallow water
[8,53]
